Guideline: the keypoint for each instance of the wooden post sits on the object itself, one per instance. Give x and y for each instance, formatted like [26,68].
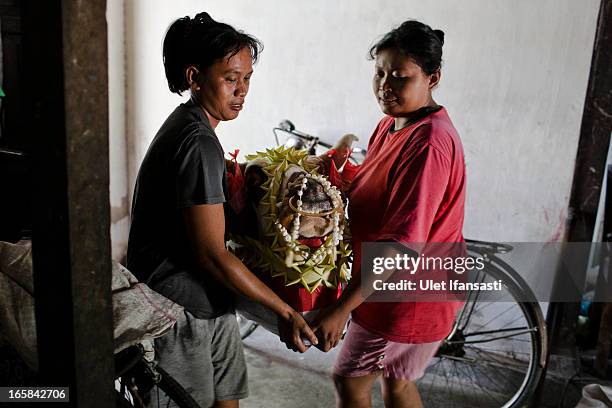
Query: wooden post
[604,340]
[589,170]
[65,80]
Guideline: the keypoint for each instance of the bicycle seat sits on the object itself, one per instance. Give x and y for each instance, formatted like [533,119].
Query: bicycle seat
[491,246]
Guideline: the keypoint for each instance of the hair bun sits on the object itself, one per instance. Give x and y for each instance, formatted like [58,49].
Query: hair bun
[204,18]
[440,35]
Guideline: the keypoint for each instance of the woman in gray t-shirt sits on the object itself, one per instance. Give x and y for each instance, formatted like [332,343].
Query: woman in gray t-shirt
[177,235]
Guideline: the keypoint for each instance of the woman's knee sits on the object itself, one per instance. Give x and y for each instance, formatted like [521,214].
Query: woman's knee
[401,393]
[353,388]
[399,387]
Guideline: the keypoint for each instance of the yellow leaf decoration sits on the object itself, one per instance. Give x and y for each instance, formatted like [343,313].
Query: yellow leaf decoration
[268,254]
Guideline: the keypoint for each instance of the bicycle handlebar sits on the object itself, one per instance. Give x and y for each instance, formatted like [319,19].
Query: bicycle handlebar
[305,140]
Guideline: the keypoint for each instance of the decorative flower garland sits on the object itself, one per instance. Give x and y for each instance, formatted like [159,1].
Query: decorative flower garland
[278,251]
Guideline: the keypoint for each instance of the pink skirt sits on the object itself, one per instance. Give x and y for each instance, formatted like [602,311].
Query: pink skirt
[364,353]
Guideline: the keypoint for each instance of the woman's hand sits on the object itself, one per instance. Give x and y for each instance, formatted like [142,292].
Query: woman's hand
[293,329]
[329,325]
[205,226]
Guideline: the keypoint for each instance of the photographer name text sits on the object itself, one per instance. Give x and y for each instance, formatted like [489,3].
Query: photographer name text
[431,285]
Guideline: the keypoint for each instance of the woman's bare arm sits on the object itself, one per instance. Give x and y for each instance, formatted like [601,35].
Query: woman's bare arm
[205,226]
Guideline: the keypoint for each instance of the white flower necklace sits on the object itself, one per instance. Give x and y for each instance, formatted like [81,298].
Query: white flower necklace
[329,247]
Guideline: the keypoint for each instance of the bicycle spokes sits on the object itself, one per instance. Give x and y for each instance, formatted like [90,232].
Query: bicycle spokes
[492,356]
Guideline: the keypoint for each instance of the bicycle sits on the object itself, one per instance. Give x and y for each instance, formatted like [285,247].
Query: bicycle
[141,383]
[486,360]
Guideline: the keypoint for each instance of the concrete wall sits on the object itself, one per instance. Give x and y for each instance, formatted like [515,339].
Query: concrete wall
[514,81]
[117,142]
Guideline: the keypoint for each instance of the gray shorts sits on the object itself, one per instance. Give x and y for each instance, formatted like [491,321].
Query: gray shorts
[205,356]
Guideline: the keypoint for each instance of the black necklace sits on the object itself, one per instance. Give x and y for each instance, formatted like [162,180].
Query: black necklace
[418,115]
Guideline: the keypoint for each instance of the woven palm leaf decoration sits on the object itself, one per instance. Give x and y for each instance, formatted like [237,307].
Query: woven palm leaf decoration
[303,231]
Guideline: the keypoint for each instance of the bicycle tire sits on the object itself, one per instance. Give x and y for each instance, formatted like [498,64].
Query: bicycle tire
[532,308]
[175,391]
[533,373]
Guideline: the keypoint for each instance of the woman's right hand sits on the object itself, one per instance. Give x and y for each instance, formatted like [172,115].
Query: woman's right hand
[205,226]
[293,330]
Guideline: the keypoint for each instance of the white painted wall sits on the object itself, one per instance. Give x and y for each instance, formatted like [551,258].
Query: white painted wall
[514,81]
[117,131]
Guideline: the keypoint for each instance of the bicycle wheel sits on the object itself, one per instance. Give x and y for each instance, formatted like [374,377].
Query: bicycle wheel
[169,393]
[149,385]
[495,355]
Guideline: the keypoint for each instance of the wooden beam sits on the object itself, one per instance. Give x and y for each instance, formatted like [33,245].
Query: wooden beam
[589,170]
[65,58]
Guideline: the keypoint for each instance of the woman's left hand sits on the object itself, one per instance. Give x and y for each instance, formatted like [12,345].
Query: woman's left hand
[329,325]
[293,330]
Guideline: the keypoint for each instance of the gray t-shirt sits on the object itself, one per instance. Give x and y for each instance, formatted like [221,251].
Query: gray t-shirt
[184,166]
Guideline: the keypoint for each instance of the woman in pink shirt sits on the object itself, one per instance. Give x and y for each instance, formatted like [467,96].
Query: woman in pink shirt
[411,189]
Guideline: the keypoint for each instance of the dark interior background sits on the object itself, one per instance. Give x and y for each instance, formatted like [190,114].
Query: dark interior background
[15,196]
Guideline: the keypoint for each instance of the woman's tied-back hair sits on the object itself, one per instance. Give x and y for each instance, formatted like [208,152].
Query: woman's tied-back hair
[200,41]
[417,41]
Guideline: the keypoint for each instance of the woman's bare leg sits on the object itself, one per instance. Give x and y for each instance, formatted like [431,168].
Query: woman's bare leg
[401,394]
[226,404]
[354,392]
